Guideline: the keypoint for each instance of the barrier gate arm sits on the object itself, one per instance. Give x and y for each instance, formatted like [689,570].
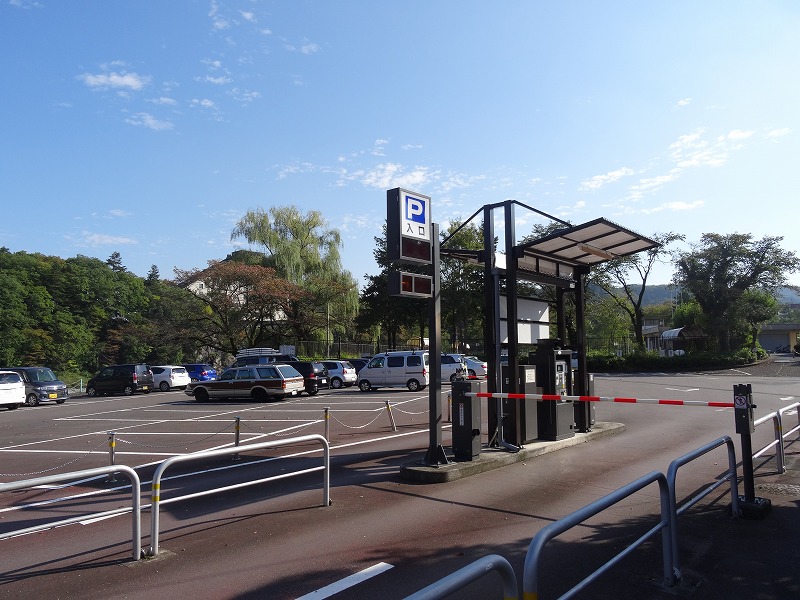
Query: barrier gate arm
[555,397]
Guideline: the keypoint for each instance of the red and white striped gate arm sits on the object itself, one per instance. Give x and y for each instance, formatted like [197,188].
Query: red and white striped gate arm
[556,397]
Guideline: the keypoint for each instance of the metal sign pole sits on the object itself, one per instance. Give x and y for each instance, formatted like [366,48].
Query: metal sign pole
[435,455]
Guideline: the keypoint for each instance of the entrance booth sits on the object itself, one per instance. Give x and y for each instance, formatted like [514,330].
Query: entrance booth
[559,262]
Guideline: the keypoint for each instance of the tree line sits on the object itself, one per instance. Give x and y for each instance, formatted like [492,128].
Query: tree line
[78,314]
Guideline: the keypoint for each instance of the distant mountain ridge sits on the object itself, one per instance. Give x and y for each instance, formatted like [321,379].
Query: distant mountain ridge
[658,294]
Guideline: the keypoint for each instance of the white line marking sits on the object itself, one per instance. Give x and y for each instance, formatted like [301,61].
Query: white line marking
[347,582]
[680,390]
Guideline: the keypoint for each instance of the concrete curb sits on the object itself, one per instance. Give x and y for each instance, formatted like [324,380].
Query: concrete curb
[494,458]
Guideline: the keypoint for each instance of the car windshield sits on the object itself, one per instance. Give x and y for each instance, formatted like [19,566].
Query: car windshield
[288,371]
[42,375]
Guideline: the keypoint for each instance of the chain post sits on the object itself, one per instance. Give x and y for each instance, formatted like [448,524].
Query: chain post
[236,437]
[328,423]
[112,443]
[391,416]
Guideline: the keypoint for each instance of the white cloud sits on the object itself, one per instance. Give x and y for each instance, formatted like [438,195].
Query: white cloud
[204,103]
[738,134]
[163,100]
[118,212]
[683,102]
[391,175]
[99,239]
[599,181]
[217,20]
[147,120]
[309,48]
[248,15]
[776,133]
[125,81]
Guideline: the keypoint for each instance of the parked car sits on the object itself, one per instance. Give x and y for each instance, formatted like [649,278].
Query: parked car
[315,375]
[261,356]
[200,371]
[341,373]
[476,367]
[396,369]
[453,367]
[258,382]
[166,377]
[41,385]
[127,379]
[12,390]
[358,363]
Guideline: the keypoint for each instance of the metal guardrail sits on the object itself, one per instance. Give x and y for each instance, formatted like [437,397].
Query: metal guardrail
[778,434]
[672,474]
[530,576]
[471,572]
[136,524]
[156,501]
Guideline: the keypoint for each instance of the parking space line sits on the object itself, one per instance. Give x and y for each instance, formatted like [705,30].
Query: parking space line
[347,582]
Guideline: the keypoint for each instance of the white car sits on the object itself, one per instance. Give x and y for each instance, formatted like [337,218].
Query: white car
[12,390]
[166,377]
[476,367]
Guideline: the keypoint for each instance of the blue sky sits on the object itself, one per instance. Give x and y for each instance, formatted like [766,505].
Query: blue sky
[150,128]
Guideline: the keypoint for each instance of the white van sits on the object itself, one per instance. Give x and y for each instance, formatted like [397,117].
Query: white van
[395,369]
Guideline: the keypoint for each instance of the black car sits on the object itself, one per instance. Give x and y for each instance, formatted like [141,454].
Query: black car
[358,363]
[41,385]
[315,374]
[127,379]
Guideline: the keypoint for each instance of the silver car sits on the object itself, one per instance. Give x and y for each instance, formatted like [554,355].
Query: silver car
[341,372]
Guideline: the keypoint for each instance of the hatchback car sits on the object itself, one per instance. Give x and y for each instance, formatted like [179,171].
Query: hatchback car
[314,373]
[341,373]
[12,390]
[257,382]
[200,371]
[41,385]
[127,379]
[166,377]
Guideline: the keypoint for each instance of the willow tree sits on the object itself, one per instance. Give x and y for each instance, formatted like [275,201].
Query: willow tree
[305,251]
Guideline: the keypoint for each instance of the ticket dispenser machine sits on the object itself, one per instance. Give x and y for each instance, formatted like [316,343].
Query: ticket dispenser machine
[520,417]
[466,418]
[554,376]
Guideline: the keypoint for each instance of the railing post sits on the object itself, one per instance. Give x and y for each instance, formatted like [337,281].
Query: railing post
[328,423]
[751,507]
[237,429]
[391,416]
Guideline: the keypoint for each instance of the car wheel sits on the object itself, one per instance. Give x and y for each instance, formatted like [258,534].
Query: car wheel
[472,373]
[336,383]
[13,406]
[364,385]
[128,390]
[31,400]
[61,401]
[91,392]
[313,391]
[201,395]
[413,385]
[260,396]
[163,386]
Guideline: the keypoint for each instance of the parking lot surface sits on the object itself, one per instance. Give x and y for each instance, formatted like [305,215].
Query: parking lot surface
[384,536]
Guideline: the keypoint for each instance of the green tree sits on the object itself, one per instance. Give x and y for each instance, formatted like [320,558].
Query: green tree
[462,285]
[303,250]
[755,308]
[625,280]
[721,268]
[243,305]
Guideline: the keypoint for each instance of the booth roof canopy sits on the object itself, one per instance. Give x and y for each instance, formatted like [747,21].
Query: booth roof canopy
[588,244]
